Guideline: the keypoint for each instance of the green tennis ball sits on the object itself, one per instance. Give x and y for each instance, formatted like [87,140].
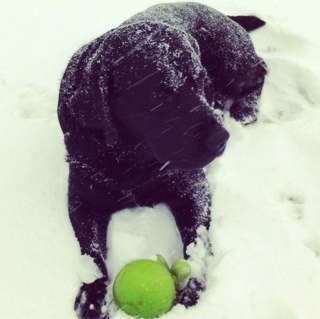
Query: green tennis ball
[144,288]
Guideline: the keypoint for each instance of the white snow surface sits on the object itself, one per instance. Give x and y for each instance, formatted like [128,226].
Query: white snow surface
[266,187]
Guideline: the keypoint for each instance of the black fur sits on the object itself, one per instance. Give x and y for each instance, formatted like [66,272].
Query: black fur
[140,109]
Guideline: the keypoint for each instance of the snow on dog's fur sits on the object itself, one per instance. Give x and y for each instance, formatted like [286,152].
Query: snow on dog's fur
[141,111]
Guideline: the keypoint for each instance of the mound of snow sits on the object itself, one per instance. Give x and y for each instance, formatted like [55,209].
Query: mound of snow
[265,188]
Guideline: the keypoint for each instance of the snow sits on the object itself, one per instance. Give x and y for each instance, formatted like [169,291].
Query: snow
[134,226]
[266,220]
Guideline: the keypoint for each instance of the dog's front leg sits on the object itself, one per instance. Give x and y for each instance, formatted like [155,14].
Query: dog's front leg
[187,194]
[90,228]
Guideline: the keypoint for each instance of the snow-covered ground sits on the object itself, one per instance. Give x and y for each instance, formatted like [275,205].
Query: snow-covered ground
[266,186]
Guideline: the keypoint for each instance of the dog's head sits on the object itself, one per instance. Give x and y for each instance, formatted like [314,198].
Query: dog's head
[158,96]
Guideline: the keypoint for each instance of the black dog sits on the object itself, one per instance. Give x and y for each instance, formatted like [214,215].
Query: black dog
[141,112]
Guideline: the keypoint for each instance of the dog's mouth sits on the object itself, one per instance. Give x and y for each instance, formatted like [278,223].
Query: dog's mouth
[199,157]
[191,163]
[189,160]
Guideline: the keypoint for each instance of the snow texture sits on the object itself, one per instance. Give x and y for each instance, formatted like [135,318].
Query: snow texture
[265,228]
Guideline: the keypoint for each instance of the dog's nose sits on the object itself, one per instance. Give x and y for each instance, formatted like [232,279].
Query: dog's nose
[217,141]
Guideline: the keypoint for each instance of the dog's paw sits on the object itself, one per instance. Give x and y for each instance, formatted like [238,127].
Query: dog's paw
[90,301]
[244,116]
[189,295]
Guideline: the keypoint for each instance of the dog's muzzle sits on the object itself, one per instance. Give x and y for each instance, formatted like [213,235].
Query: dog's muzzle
[217,141]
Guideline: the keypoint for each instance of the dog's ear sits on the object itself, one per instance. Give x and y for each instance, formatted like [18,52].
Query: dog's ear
[90,104]
[109,127]
[249,23]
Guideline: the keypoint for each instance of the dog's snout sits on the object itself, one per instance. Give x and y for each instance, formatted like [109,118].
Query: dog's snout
[217,141]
